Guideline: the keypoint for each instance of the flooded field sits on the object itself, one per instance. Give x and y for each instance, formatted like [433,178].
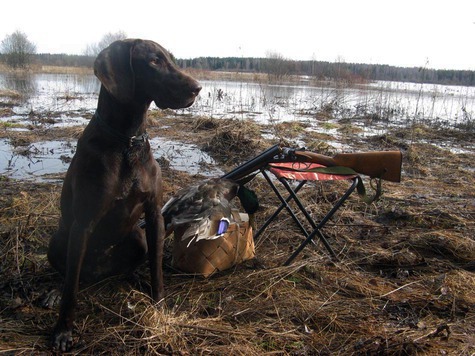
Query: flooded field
[58,101]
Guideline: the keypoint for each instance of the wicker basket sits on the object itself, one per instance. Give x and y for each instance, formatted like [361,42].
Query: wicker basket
[206,257]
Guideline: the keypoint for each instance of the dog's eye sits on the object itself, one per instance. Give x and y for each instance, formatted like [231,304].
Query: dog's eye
[155,61]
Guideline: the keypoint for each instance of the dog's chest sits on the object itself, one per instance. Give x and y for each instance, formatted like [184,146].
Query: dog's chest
[133,189]
[130,199]
[138,181]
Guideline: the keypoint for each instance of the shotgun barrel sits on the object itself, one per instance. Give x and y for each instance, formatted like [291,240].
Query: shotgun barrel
[254,164]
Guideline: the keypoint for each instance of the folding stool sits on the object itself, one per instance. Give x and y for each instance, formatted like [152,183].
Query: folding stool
[304,172]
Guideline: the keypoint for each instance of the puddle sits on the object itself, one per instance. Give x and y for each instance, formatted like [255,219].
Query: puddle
[47,160]
[22,123]
[452,147]
[185,157]
[36,160]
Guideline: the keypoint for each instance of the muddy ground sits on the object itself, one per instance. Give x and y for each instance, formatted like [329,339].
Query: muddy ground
[404,282]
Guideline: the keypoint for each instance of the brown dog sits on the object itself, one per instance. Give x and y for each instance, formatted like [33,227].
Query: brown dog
[113,178]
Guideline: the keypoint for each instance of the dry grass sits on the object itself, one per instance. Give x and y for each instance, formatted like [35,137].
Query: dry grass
[228,76]
[404,283]
[63,70]
[37,68]
[10,94]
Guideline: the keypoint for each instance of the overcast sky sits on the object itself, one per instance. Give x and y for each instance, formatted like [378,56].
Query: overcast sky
[402,32]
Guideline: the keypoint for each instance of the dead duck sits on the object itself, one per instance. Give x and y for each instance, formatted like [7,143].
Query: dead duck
[204,211]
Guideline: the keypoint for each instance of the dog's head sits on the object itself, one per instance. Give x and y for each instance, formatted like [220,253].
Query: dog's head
[135,69]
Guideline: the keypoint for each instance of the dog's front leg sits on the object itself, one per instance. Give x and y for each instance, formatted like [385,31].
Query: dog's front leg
[62,334]
[155,233]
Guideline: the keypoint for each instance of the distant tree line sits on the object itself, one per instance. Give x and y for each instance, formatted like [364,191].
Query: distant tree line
[65,60]
[62,60]
[332,70]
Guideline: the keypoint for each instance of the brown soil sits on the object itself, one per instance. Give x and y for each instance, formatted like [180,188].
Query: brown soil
[404,283]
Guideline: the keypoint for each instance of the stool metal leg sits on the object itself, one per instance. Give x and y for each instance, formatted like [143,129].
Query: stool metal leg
[322,238]
[293,195]
[309,218]
[327,217]
[277,212]
[285,204]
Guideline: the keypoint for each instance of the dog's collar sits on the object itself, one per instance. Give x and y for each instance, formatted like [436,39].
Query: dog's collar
[130,141]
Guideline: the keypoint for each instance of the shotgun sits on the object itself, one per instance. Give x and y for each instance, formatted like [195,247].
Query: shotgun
[377,164]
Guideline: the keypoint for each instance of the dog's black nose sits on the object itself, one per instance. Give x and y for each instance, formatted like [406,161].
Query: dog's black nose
[196,89]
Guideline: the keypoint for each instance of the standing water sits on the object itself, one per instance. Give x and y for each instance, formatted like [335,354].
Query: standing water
[30,101]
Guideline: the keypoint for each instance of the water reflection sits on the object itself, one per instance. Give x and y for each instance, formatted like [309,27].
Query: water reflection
[68,83]
[46,93]
[23,83]
[259,101]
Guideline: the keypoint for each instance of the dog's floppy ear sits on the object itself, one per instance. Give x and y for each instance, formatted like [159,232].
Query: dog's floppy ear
[113,67]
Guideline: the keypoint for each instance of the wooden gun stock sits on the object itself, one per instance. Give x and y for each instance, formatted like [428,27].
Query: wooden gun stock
[378,164]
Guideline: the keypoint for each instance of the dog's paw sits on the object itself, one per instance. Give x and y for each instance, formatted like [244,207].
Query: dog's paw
[51,299]
[62,340]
